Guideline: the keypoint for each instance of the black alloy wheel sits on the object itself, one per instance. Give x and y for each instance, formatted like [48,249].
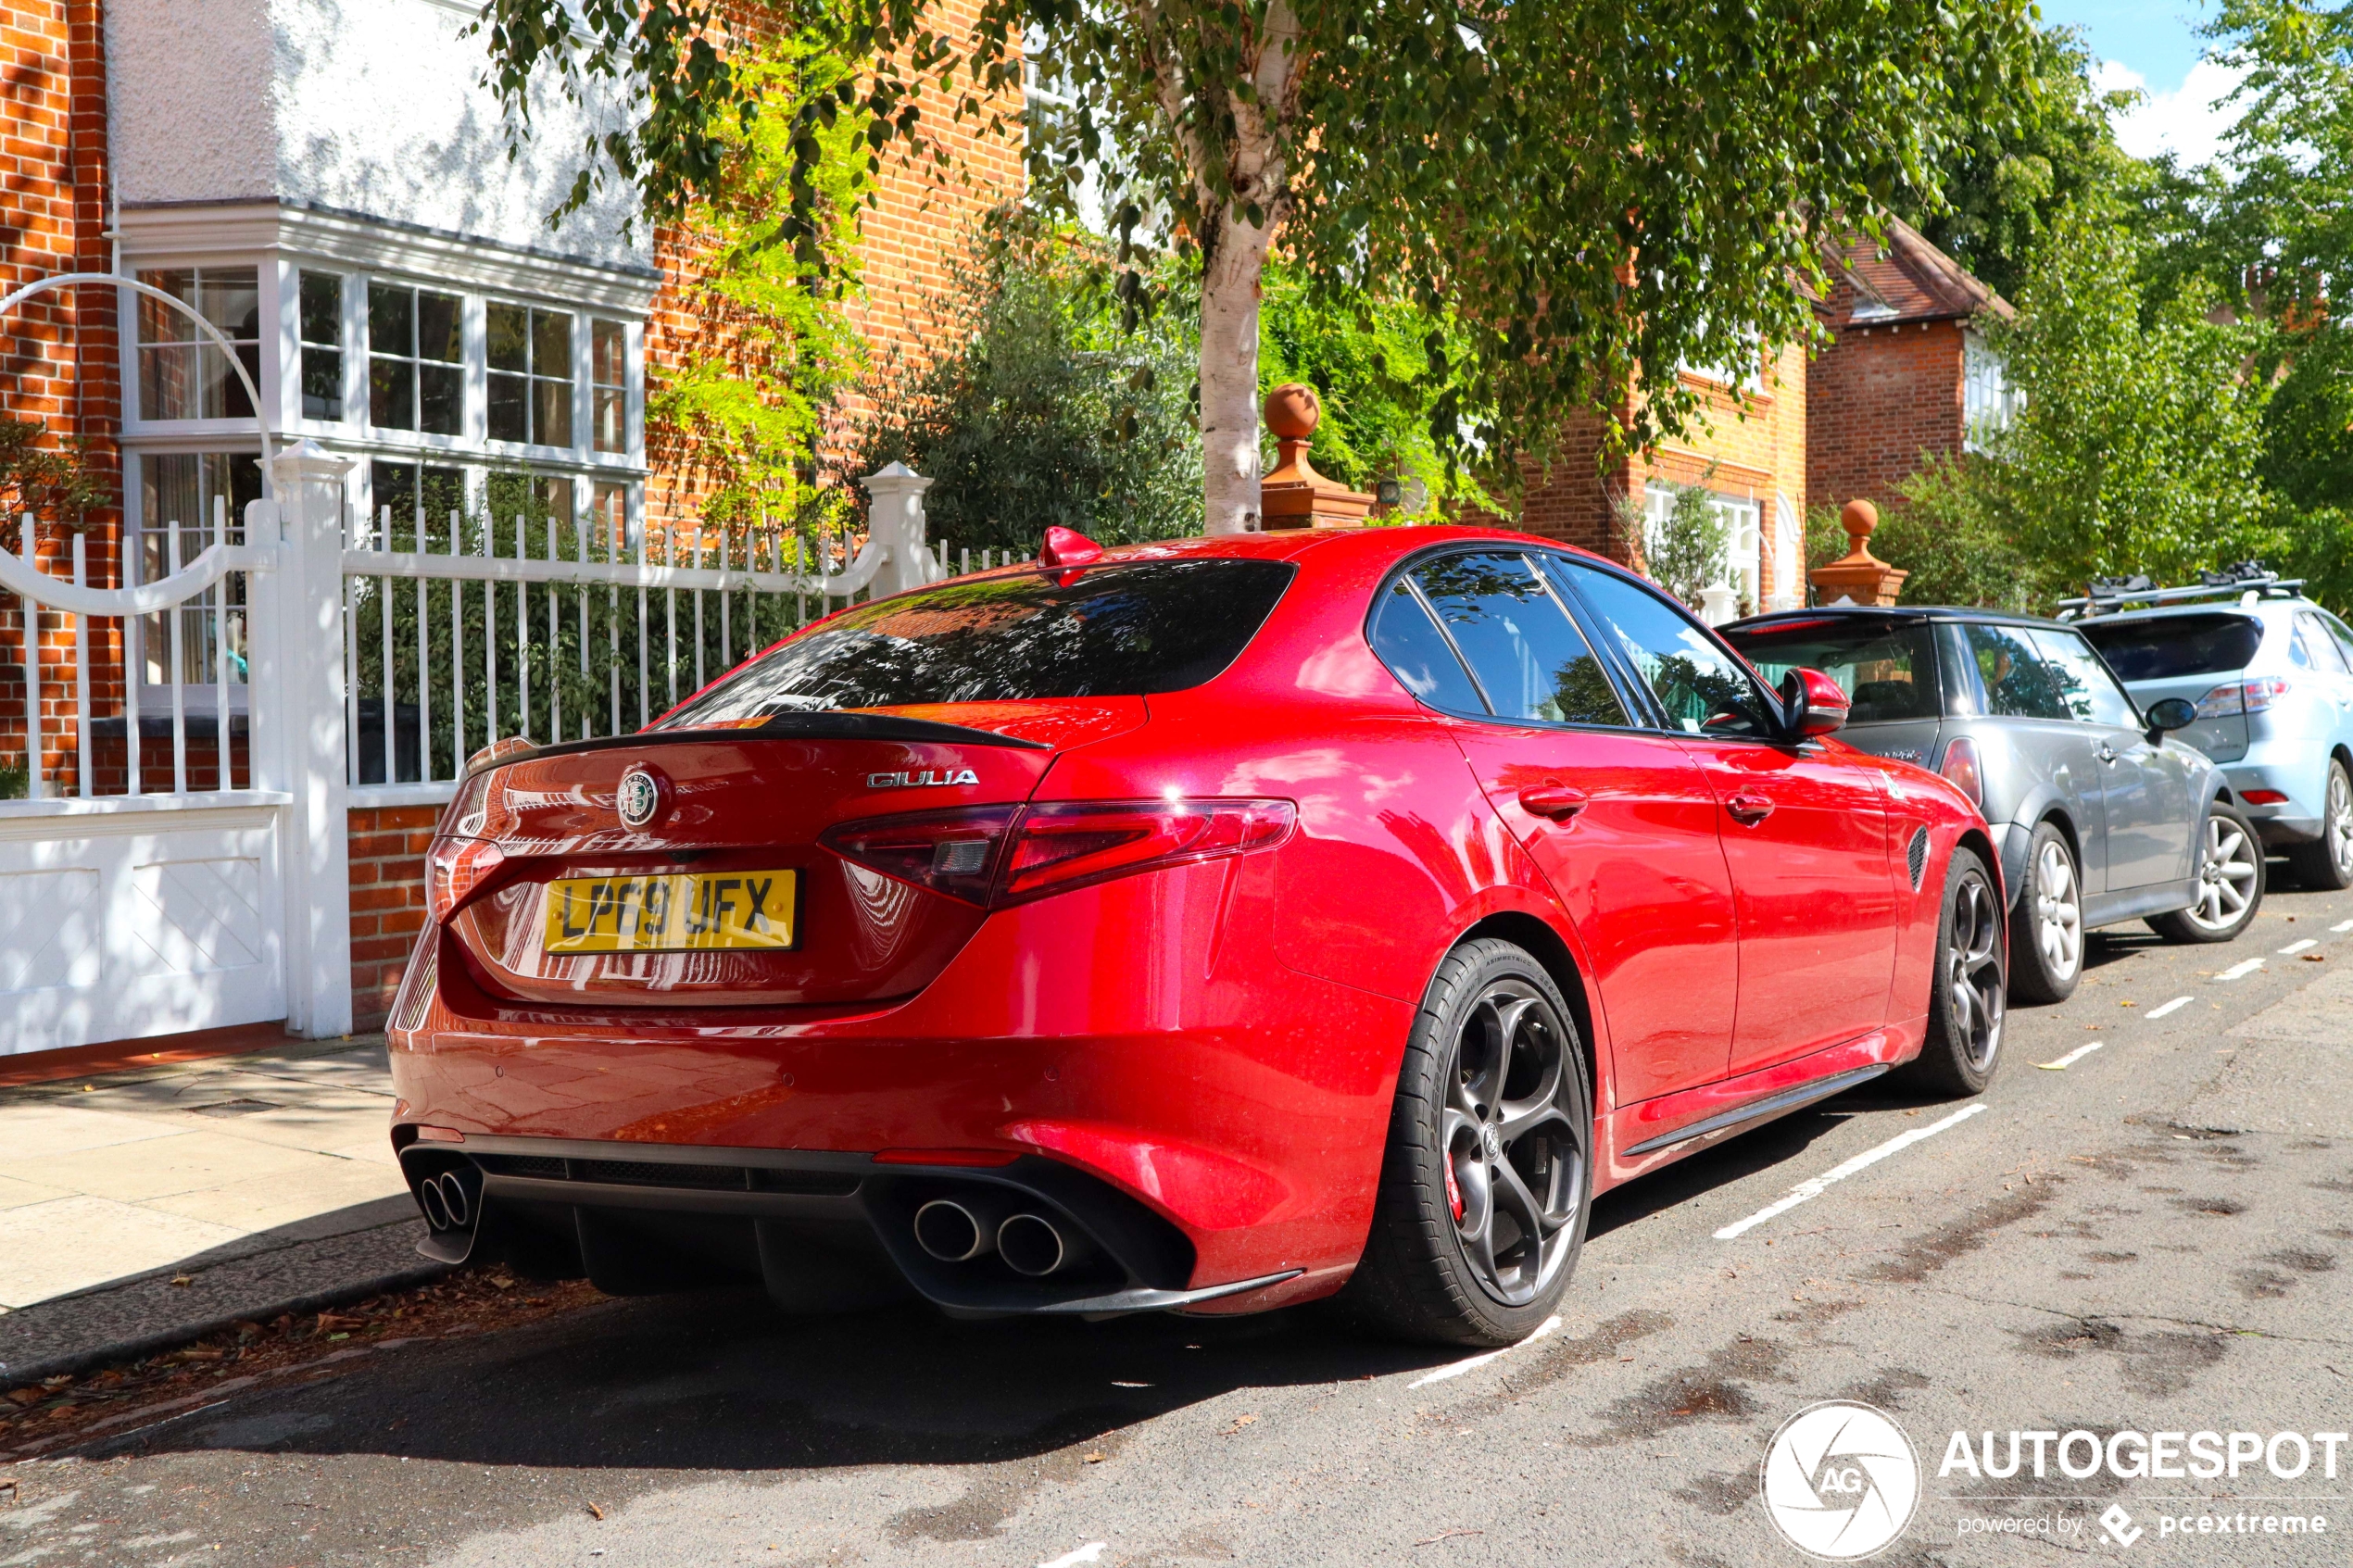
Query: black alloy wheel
[1969,998]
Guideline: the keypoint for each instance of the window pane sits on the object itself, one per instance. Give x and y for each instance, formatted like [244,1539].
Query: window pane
[2177,644]
[2092,695]
[391,321]
[322,308]
[551,343]
[1703,688]
[1529,659]
[608,362]
[2018,683]
[1408,642]
[439,492]
[555,499]
[224,395]
[440,328]
[321,383]
[441,399]
[611,420]
[509,412]
[551,424]
[507,329]
[1888,672]
[229,300]
[159,322]
[392,487]
[392,397]
[167,383]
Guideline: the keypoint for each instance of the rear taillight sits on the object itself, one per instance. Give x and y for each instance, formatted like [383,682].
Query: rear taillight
[1007,855]
[1962,770]
[454,868]
[2235,697]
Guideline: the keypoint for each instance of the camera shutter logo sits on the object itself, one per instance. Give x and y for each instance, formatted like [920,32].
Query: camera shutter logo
[639,798]
[1840,1481]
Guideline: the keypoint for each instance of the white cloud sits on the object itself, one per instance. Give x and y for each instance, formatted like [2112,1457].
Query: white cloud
[2183,120]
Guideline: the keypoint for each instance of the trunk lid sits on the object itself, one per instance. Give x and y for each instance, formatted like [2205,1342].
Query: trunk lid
[734,829]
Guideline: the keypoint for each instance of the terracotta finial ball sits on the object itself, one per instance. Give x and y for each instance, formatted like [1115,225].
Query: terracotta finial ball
[1292,411]
[1858,517]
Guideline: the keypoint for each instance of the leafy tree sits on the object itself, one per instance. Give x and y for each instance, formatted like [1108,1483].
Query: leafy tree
[1590,187]
[44,481]
[2002,182]
[1045,411]
[1684,551]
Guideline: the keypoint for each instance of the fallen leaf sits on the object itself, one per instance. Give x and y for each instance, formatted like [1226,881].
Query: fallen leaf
[595,1511]
[2128,1004]
[184,1281]
[26,1395]
[1240,1422]
[1094,1459]
[2315,958]
[503,1283]
[201,1353]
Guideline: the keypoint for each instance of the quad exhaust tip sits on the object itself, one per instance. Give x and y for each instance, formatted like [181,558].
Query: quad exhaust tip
[957,1230]
[1034,1245]
[961,1230]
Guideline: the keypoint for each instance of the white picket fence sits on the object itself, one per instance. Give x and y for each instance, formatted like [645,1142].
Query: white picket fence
[366,660]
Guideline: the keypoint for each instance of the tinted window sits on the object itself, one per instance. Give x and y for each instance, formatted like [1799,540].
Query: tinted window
[2090,692]
[1411,645]
[1120,629]
[1529,659]
[2317,644]
[2018,683]
[1888,671]
[2344,638]
[1703,688]
[2176,644]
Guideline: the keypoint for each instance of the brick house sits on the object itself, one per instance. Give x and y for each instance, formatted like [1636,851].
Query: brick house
[330,185]
[1907,376]
[1748,448]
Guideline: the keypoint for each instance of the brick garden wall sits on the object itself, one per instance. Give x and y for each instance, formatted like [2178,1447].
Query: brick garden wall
[387,902]
[1884,398]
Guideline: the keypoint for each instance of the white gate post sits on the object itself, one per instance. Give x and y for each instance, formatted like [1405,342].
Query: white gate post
[297,722]
[898,523]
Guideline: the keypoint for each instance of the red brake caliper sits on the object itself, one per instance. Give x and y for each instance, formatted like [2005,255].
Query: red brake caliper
[1454,1193]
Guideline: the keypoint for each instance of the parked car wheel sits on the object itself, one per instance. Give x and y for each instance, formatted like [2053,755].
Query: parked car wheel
[2229,881]
[1967,1008]
[1487,1175]
[2328,865]
[2046,928]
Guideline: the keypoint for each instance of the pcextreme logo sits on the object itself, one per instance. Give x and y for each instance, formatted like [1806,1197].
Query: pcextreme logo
[1840,1481]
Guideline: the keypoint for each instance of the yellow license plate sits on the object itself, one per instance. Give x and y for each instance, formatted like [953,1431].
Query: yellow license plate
[683,913]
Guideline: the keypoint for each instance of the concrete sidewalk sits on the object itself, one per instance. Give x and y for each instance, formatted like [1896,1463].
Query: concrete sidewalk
[140,1208]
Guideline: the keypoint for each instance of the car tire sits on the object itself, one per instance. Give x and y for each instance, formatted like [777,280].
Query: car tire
[1967,1001]
[2229,881]
[1448,1259]
[2046,925]
[2327,866]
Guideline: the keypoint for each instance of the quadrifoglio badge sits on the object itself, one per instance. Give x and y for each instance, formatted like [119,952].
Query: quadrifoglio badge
[1841,1481]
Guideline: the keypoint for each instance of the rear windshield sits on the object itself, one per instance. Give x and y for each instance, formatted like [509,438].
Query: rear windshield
[1888,671]
[1122,630]
[2168,646]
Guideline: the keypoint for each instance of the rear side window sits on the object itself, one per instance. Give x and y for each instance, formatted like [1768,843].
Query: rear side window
[1529,659]
[2172,645]
[2314,633]
[1888,672]
[2091,693]
[2018,683]
[1124,630]
[1419,655]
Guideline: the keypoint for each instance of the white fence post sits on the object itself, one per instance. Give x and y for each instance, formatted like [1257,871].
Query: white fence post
[297,733]
[897,521]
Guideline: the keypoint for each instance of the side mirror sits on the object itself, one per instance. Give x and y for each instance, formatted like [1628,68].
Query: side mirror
[2171,713]
[1812,703]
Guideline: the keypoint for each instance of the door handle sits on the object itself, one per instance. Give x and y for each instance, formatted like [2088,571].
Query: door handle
[1559,802]
[2106,752]
[1750,809]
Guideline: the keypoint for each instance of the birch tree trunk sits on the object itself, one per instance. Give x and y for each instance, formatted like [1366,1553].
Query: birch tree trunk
[1229,375]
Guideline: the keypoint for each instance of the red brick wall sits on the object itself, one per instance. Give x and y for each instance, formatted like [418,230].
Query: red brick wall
[1884,398]
[387,902]
[57,350]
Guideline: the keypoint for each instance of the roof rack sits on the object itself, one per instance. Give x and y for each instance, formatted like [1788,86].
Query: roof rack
[2106,595]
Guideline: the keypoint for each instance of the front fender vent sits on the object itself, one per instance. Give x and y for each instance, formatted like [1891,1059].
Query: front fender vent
[1916,856]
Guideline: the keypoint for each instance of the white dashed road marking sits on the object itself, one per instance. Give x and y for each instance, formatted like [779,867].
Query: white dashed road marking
[2294,948]
[2241,971]
[1092,1552]
[2155,1013]
[1472,1363]
[2071,1057]
[1814,1187]
[2341,926]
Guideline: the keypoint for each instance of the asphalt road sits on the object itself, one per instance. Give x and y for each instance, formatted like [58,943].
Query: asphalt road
[2152,1238]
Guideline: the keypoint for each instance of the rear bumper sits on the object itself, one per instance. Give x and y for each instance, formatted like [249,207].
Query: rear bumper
[2301,778]
[820,1232]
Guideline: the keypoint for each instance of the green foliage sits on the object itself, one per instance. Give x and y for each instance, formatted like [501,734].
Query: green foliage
[1961,544]
[1044,412]
[1685,551]
[1589,188]
[738,417]
[58,485]
[16,779]
[1397,404]
[2002,183]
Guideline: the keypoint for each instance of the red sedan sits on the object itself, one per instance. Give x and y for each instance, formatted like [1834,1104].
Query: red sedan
[1217,924]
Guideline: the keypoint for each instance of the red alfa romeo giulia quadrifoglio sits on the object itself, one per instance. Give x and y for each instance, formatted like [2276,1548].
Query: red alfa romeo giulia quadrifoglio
[1216,925]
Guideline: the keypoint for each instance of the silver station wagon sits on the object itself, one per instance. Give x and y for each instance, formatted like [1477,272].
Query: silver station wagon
[2100,815]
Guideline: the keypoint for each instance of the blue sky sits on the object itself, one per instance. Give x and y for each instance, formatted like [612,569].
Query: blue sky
[2154,46]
